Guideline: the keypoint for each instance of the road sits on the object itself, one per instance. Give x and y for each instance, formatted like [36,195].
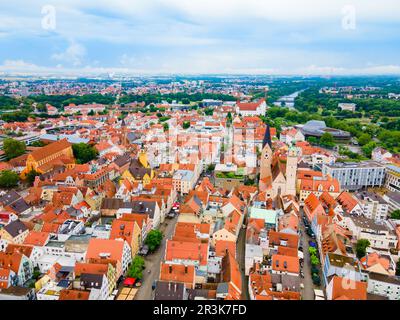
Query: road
[153,261]
[240,257]
[308,291]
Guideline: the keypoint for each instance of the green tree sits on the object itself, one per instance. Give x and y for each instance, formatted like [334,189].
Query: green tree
[368,148]
[136,268]
[398,268]
[186,125]
[84,153]
[13,148]
[8,179]
[211,167]
[395,214]
[312,251]
[361,247]
[30,177]
[327,140]
[314,260]
[153,239]
[364,139]
[166,127]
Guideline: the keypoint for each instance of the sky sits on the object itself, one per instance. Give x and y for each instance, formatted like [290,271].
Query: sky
[285,37]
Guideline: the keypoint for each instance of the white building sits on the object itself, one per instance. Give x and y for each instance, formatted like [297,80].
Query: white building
[379,234]
[253,254]
[373,205]
[392,181]
[382,285]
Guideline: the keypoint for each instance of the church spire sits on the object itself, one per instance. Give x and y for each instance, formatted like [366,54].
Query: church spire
[267,137]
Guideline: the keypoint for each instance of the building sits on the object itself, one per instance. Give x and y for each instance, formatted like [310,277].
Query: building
[393,200]
[257,108]
[355,176]
[45,159]
[316,128]
[341,266]
[378,234]
[373,205]
[347,106]
[383,285]
[392,181]
[341,288]
[184,181]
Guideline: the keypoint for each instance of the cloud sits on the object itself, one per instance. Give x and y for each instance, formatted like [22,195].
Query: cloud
[200,36]
[73,55]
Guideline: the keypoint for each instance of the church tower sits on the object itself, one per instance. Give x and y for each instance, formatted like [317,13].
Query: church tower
[266,156]
[291,170]
[124,130]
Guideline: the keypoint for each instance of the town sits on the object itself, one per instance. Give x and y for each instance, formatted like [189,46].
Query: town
[200,188]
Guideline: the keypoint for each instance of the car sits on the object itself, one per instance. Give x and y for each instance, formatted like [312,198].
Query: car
[153,286]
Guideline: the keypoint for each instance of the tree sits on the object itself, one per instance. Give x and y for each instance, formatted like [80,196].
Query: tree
[186,125]
[395,215]
[13,148]
[8,179]
[312,251]
[153,239]
[398,268]
[364,139]
[84,153]
[91,112]
[368,148]
[361,247]
[327,140]
[211,167]
[136,268]
[166,127]
[314,260]
[30,177]
[229,117]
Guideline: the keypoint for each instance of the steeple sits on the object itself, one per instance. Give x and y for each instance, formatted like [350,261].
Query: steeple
[267,137]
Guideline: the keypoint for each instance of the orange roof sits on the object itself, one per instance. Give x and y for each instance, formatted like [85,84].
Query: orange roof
[261,285]
[347,201]
[222,247]
[91,268]
[50,149]
[283,239]
[111,249]
[67,294]
[37,238]
[122,229]
[178,273]
[285,263]
[373,259]
[352,290]
[187,251]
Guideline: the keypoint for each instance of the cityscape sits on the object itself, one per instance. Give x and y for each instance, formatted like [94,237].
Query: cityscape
[256,184]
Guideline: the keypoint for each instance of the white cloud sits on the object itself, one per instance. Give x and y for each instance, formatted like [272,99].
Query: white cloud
[73,55]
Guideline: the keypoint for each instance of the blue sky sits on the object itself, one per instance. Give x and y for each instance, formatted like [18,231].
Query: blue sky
[201,36]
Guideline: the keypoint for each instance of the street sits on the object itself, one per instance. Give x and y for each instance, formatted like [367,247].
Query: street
[153,261]
[240,257]
[308,291]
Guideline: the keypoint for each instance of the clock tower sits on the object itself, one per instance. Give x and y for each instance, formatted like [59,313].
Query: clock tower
[266,156]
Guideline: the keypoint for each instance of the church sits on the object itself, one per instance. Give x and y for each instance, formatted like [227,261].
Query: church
[277,170]
[49,157]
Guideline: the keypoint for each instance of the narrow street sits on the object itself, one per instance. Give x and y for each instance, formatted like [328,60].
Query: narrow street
[240,257]
[153,262]
[308,291]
